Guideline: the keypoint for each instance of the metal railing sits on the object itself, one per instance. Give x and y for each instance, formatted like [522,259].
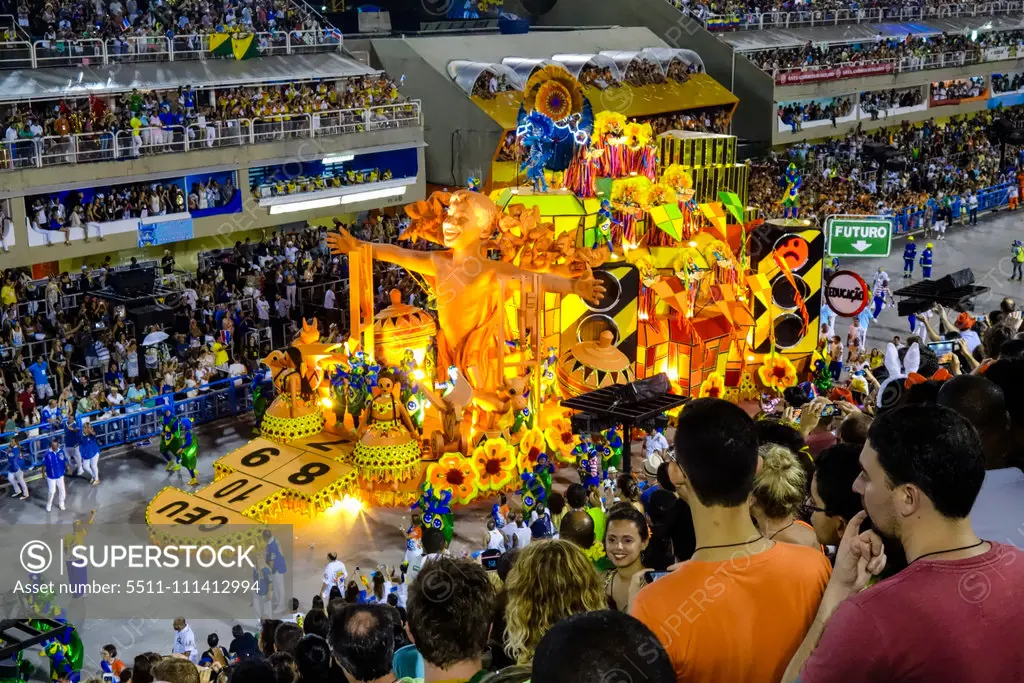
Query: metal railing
[139,421]
[753,21]
[24,54]
[869,67]
[57,150]
[989,198]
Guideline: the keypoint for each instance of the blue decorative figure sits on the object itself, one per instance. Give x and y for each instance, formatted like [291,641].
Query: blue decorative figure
[588,461]
[532,491]
[605,221]
[473,184]
[791,197]
[926,261]
[909,254]
[536,134]
[436,511]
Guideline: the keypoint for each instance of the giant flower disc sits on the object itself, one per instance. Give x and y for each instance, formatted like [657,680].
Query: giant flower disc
[495,463]
[554,101]
[457,474]
[777,373]
[530,448]
[712,387]
[560,440]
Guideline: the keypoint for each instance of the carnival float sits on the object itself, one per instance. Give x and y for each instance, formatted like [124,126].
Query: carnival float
[656,267]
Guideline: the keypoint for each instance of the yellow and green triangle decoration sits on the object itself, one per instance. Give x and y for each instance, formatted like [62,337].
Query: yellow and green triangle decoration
[669,218]
[240,46]
[245,46]
[715,214]
[220,44]
[732,204]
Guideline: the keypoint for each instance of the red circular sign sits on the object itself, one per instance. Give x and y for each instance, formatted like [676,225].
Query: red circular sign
[846,293]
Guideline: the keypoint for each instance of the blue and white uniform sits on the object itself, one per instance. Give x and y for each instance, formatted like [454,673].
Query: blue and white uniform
[72,441]
[261,597]
[15,471]
[279,567]
[90,450]
[55,466]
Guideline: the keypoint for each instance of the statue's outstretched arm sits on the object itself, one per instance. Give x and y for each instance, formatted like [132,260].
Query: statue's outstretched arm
[342,242]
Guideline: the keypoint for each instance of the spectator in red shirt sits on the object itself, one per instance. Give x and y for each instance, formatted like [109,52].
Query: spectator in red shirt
[954,613]
[27,400]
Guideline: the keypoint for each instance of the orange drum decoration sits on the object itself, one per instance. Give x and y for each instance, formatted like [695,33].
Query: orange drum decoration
[592,365]
[399,327]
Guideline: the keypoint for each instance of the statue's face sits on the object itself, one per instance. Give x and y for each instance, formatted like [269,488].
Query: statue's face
[463,225]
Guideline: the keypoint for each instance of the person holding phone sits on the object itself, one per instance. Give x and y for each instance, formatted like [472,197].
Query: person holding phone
[625,539]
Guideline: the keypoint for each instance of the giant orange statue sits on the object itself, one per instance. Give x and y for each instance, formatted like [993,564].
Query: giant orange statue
[466,281]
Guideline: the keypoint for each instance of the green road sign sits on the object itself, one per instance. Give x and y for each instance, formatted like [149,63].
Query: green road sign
[859,235]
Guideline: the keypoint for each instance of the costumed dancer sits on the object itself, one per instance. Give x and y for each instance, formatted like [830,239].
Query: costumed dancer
[187,454]
[588,461]
[59,655]
[614,450]
[605,221]
[791,198]
[436,512]
[880,296]
[170,441]
[16,470]
[72,443]
[926,261]
[90,452]
[473,184]
[543,470]
[55,466]
[532,492]
[909,254]
[389,446]
[77,577]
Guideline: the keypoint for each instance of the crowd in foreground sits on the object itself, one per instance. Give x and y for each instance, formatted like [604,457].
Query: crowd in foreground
[844,518]
[909,52]
[929,161]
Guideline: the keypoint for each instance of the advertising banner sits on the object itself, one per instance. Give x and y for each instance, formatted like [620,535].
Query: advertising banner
[852,71]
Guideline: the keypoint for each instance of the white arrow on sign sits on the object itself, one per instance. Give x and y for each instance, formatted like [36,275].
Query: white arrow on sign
[861,245]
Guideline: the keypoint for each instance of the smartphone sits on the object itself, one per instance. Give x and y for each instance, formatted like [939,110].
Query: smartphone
[650,576]
[941,348]
[490,563]
[108,678]
[830,410]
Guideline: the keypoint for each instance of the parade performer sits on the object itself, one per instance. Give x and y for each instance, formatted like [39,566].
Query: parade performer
[605,221]
[909,254]
[389,446]
[536,135]
[59,655]
[588,461]
[532,492]
[16,470]
[77,577]
[170,441]
[543,470]
[55,466]
[791,197]
[259,407]
[72,443]
[473,184]
[926,261]
[89,450]
[435,511]
[880,294]
[614,445]
[188,448]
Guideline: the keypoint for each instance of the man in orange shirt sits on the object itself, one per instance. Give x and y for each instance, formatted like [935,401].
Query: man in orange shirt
[739,609]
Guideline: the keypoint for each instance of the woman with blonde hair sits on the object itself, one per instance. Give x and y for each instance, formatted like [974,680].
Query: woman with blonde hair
[550,581]
[780,490]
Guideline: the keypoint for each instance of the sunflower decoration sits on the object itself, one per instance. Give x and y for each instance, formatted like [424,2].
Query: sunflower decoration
[637,134]
[553,92]
[495,462]
[631,192]
[608,125]
[457,474]
[660,194]
[712,387]
[777,372]
[560,441]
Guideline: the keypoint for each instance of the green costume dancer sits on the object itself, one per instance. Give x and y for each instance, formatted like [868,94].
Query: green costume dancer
[170,441]
[259,406]
[188,449]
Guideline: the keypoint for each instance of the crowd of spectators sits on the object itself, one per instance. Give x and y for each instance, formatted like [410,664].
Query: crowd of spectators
[795,114]
[157,121]
[707,120]
[911,52]
[596,76]
[282,187]
[732,13]
[933,160]
[488,84]
[957,90]
[1007,82]
[879,102]
[65,20]
[767,514]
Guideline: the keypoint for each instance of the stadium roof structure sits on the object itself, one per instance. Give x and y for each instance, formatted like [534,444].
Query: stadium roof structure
[64,82]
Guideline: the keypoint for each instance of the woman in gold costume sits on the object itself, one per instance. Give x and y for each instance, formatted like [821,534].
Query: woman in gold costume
[389,446]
